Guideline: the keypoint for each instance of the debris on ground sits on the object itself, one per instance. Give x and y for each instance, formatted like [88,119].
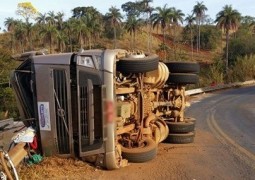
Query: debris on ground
[58,168]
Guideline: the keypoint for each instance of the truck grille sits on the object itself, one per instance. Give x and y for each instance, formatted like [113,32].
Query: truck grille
[83,112]
[61,109]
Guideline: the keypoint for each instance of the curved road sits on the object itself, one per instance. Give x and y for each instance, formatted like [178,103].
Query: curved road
[224,146]
[230,117]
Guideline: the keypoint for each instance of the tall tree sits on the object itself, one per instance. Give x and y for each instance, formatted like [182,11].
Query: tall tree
[176,16]
[81,30]
[190,21]
[115,18]
[41,18]
[92,20]
[146,8]
[199,10]
[62,39]
[131,8]
[49,32]
[10,24]
[59,20]
[27,11]
[228,19]
[162,17]
[51,18]
[60,35]
[69,29]
[132,25]
[29,29]
[20,34]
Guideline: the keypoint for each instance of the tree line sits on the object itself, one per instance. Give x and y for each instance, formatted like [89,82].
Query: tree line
[87,26]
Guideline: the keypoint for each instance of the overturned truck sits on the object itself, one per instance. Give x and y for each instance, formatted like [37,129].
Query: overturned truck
[112,105]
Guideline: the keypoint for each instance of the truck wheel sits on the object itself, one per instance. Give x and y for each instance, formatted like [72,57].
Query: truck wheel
[180,127]
[140,154]
[181,78]
[183,67]
[138,65]
[180,138]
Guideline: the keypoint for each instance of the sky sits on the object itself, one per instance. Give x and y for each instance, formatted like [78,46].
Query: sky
[8,7]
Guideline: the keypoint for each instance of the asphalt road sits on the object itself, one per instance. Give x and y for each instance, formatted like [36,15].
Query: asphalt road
[224,147]
[229,116]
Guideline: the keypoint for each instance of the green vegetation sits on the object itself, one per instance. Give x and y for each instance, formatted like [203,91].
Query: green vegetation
[7,99]
[244,69]
[228,19]
[225,46]
[242,45]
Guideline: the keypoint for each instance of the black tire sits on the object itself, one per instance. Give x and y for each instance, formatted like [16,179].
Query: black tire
[143,154]
[181,78]
[180,138]
[138,65]
[180,127]
[183,67]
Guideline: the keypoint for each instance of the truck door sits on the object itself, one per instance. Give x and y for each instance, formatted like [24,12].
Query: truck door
[89,106]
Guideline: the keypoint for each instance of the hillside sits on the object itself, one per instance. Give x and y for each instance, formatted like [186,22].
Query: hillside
[176,51]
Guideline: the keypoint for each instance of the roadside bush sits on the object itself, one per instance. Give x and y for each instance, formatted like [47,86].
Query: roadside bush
[210,37]
[243,70]
[212,74]
[242,45]
[240,48]
[8,106]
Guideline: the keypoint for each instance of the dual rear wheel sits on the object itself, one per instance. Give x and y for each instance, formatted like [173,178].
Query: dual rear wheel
[181,132]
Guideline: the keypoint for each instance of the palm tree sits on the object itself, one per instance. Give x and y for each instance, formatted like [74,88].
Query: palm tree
[69,29]
[10,24]
[95,29]
[29,28]
[132,25]
[199,10]
[51,18]
[190,20]
[41,18]
[228,19]
[148,9]
[49,32]
[80,29]
[93,20]
[161,17]
[176,16]
[62,39]
[20,34]
[59,25]
[59,20]
[115,18]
